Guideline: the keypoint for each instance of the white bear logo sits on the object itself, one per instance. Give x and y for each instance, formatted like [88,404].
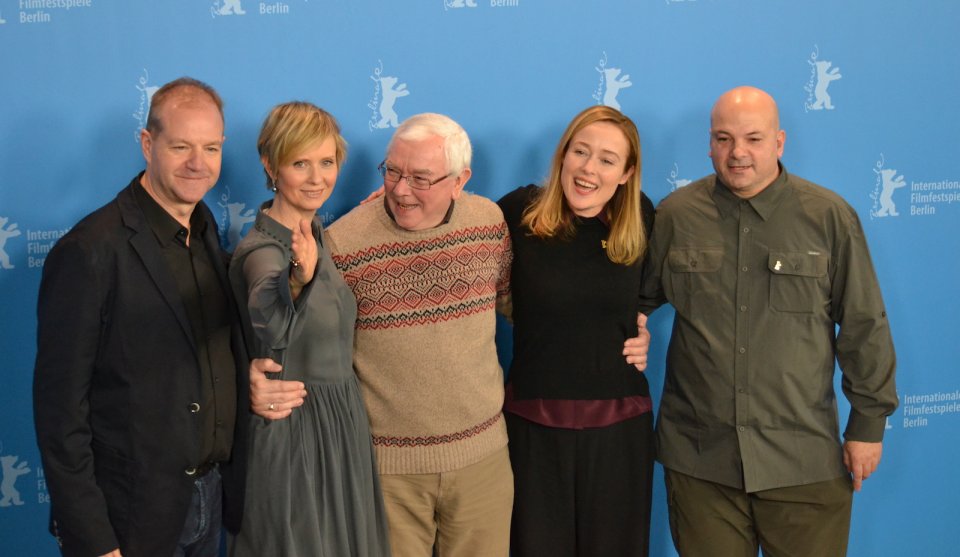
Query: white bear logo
[8,493]
[228,7]
[237,218]
[890,182]
[6,232]
[824,77]
[612,86]
[388,116]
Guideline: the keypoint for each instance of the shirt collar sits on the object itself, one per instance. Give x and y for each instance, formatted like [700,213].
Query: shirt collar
[446,217]
[764,203]
[166,228]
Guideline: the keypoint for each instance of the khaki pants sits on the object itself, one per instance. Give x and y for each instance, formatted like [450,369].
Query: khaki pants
[461,513]
[713,520]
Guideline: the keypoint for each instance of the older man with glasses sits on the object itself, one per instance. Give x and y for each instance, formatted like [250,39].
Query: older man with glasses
[428,266]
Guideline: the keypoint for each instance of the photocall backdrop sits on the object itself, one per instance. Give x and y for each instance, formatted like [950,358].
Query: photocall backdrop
[868,98]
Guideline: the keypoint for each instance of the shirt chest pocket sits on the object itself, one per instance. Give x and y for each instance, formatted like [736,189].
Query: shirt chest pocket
[693,276]
[798,282]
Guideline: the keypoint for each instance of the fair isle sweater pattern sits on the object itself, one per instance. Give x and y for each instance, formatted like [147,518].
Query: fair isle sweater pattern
[404,284]
[425,350]
[423,441]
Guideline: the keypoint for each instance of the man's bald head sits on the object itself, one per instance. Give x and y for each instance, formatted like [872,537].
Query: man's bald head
[746,97]
[746,141]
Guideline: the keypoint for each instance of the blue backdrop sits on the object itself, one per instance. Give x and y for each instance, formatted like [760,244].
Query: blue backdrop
[867,96]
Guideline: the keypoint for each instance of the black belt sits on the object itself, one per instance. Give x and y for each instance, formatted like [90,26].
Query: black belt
[200,470]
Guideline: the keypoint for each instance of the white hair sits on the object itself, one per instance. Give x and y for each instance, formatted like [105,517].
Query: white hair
[456,143]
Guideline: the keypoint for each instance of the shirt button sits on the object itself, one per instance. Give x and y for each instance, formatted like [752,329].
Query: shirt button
[744,268]
[741,429]
[743,308]
[194,407]
[191,471]
[743,350]
[746,229]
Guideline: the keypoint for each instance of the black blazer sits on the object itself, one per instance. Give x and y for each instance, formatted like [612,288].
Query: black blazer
[116,375]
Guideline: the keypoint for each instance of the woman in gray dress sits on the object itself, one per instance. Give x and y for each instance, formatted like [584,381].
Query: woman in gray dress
[312,486]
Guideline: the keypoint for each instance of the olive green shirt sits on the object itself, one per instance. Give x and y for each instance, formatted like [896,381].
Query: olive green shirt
[769,292]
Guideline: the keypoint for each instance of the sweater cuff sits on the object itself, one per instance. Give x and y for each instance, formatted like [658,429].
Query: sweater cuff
[864,428]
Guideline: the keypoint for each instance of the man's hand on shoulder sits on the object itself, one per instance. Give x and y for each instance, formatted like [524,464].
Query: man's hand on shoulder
[376,194]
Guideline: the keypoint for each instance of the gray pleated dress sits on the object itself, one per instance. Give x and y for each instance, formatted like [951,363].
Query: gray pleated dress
[312,487]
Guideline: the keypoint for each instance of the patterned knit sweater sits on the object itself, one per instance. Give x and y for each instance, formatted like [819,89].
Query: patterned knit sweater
[424,347]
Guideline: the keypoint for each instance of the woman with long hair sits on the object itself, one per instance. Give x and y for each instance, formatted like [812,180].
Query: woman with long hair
[578,415]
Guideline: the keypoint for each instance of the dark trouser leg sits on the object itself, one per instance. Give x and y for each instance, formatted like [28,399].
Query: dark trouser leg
[804,520]
[201,531]
[581,492]
[712,520]
[709,519]
[542,459]
[614,477]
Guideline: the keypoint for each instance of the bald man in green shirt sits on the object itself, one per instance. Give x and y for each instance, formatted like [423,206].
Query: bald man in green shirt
[772,283]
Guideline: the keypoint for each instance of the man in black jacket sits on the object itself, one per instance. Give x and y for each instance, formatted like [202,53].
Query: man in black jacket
[140,367]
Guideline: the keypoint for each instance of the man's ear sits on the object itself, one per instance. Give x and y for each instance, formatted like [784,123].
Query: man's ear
[146,144]
[462,180]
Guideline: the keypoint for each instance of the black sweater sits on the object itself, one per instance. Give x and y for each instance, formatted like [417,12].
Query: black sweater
[572,310]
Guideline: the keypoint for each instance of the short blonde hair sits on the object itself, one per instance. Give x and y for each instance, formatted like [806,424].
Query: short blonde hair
[292,128]
[549,215]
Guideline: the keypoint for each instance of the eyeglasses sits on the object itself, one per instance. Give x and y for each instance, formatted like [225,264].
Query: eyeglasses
[392,176]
